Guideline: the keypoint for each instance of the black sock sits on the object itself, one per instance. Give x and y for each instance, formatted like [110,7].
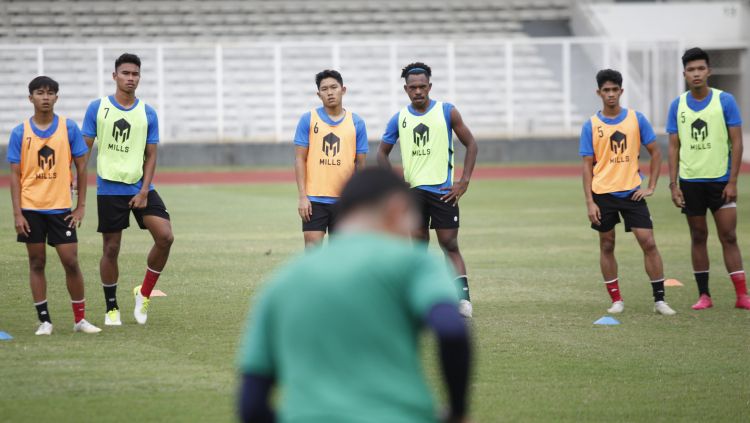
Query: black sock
[110,296]
[701,278]
[462,287]
[41,312]
[658,288]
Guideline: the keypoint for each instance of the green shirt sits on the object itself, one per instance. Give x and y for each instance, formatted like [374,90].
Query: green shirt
[338,328]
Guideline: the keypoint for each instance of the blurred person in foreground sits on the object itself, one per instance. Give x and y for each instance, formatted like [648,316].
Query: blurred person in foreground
[337,330]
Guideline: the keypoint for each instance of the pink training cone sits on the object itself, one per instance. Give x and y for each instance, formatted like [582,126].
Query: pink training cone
[158,293]
[672,282]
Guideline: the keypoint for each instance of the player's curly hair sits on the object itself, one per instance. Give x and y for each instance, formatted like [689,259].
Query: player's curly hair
[416,68]
[608,75]
[695,53]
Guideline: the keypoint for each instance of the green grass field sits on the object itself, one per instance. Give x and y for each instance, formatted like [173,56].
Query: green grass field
[536,287]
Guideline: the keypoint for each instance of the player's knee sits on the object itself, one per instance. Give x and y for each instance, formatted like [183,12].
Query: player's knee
[37,263]
[164,241]
[70,264]
[607,245]
[698,235]
[649,246]
[111,250]
[449,245]
[728,238]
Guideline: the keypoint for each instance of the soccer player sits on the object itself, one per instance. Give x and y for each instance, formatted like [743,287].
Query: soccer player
[610,145]
[705,153]
[330,144]
[338,328]
[425,128]
[127,134]
[40,152]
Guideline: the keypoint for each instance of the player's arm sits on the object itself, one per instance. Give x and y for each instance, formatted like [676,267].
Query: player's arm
[21,225]
[254,400]
[76,216]
[304,206]
[384,151]
[467,139]
[140,200]
[360,161]
[594,213]
[654,170]
[454,348]
[735,136]
[674,170]
[90,145]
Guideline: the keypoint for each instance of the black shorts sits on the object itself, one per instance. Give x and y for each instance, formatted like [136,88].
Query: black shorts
[323,218]
[700,196]
[52,228]
[114,212]
[436,213]
[634,213]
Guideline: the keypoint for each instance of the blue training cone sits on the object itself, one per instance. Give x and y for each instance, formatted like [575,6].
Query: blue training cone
[607,321]
[5,336]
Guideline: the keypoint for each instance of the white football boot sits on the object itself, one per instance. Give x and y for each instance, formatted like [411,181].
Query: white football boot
[112,318]
[45,328]
[465,309]
[85,327]
[663,308]
[141,306]
[617,307]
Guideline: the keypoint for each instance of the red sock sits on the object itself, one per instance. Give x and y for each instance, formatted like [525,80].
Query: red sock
[79,310]
[738,279]
[614,290]
[149,281]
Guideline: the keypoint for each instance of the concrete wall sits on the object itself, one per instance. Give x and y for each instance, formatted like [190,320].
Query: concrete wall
[703,22]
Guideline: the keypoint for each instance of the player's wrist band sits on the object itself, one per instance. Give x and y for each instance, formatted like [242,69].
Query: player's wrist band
[672,184]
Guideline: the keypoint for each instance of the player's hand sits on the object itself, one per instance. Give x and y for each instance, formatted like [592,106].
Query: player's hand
[677,198]
[305,209]
[642,193]
[75,217]
[455,192]
[22,225]
[595,215]
[139,201]
[730,192]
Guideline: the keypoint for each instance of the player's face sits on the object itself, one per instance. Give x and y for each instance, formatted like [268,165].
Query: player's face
[610,94]
[418,88]
[127,77]
[696,73]
[43,99]
[331,92]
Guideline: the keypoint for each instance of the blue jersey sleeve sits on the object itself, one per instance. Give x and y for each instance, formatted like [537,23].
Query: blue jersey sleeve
[89,121]
[391,131]
[152,136]
[586,142]
[672,117]
[359,125]
[647,131]
[302,134]
[14,145]
[78,147]
[732,115]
